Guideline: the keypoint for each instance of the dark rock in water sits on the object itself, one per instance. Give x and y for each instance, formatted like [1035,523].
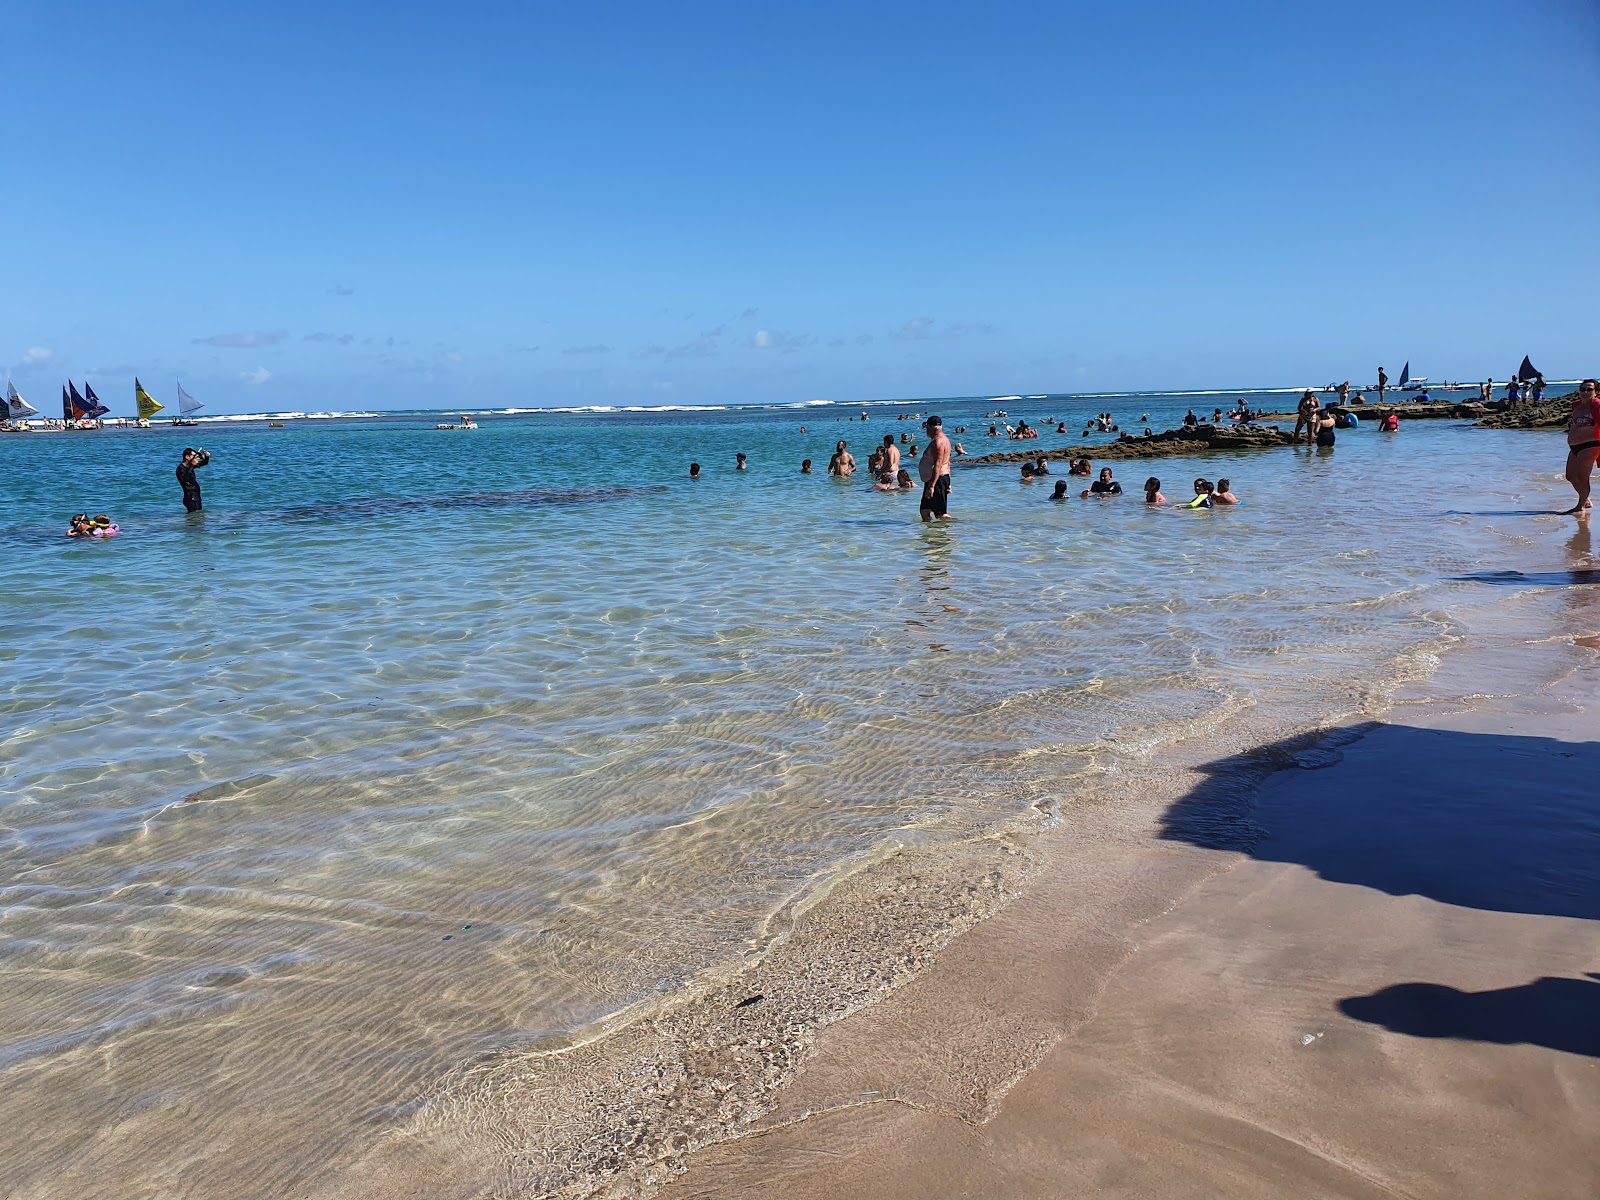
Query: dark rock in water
[1464,410]
[1191,439]
[1551,414]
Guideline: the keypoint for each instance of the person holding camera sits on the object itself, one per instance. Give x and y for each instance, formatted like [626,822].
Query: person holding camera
[192,461]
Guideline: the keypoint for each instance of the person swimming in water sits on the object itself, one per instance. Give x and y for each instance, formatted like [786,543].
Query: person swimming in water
[80,526]
[805,466]
[1223,494]
[1202,494]
[1105,485]
[1061,490]
[694,470]
[1152,491]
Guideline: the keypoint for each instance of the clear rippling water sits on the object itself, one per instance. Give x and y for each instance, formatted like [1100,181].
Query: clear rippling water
[419,744]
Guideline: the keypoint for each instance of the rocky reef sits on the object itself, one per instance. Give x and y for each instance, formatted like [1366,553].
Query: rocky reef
[1192,439]
[1551,414]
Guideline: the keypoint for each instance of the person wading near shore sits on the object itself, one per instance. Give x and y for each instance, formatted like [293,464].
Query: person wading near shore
[1583,441]
[1383,382]
[1306,417]
[191,462]
[842,462]
[889,464]
[934,468]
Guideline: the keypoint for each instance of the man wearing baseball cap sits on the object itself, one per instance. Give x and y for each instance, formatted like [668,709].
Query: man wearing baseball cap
[934,468]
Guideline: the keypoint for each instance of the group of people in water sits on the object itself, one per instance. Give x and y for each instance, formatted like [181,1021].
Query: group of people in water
[102,526]
[1206,493]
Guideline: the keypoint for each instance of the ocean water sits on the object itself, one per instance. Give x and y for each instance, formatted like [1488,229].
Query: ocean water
[420,745]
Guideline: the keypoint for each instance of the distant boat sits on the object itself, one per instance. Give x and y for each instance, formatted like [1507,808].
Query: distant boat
[465,422]
[16,406]
[78,412]
[146,405]
[1410,383]
[187,406]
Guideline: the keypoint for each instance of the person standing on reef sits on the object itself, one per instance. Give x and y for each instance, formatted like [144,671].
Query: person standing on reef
[934,468]
[1344,392]
[191,462]
[1383,382]
[1583,441]
[1306,417]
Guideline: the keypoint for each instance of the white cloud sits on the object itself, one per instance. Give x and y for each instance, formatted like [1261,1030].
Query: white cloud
[259,375]
[37,354]
[777,339]
[916,329]
[594,349]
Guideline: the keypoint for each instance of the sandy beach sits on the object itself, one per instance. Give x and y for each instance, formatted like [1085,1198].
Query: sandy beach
[1360,965]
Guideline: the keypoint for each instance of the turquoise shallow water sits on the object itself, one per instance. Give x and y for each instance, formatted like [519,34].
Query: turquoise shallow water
[418,743]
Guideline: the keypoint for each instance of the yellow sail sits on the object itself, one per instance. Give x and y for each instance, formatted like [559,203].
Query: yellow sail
[147,404]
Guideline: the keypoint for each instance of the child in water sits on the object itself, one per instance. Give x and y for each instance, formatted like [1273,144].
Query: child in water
[1152,491]
[1202,494]
[1223,495]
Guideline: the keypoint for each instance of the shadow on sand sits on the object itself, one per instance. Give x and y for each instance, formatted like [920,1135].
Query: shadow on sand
[1560,1014]
[1500,822]
[1489,821]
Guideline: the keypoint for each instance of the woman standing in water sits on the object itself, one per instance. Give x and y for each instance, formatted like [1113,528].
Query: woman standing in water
[1583,441]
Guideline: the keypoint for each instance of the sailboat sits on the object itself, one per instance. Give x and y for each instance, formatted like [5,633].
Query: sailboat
[146,405]
[188,406]
[16,407]
[1408,384]
[78,412]
[96,409]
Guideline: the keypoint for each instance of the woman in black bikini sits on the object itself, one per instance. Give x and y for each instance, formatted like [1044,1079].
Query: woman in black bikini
[1583,441]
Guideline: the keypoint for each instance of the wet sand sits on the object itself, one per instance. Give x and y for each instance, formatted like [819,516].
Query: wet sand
[1372,971]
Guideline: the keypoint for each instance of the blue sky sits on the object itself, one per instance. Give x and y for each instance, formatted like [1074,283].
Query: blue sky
[345,206]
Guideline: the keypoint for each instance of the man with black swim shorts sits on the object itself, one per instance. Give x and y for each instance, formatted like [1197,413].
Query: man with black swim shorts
[934,468]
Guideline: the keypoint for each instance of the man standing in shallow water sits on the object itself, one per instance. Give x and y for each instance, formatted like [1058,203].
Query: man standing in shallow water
[191,461]
[934,468]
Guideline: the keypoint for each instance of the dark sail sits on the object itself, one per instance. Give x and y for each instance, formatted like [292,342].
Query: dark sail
[66,407]
[1405,374]
[1526,371]
[92,403]
[80,406]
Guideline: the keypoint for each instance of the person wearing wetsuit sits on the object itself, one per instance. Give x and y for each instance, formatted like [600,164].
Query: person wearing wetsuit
[192,461]
[1583,440]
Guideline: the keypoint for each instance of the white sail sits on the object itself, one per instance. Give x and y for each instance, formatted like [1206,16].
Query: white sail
[186,403]
[16,406]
